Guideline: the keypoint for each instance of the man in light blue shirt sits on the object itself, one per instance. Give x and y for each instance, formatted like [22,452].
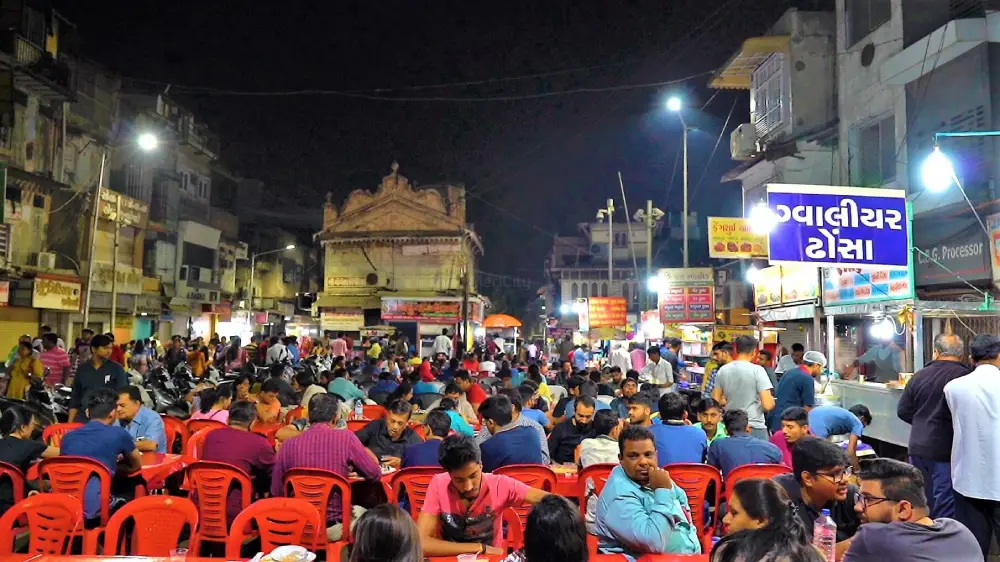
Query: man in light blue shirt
[827,421]
[580,358]
[143,424]
[641,510]
[343,387]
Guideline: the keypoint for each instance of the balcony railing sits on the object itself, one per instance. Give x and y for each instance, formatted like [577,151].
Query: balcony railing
[37,70]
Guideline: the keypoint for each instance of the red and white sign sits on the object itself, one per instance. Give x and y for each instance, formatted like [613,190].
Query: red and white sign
[608,312]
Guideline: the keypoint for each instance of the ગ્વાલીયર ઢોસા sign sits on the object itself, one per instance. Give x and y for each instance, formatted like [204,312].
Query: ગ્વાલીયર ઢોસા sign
[838,226]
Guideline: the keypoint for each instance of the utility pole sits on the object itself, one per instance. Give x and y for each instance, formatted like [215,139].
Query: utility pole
[114,261]
[684,221]
[609,213]
[464,328]
[93,240]
[649,247]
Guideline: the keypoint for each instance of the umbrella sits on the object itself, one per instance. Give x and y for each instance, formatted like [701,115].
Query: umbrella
[501,321]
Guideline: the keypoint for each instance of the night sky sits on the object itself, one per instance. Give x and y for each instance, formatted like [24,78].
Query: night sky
[548,162]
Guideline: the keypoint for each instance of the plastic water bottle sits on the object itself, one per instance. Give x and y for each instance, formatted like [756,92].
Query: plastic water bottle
[825,535]
[359,409]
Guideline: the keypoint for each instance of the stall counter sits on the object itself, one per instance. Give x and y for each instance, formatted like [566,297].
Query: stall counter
[882,402]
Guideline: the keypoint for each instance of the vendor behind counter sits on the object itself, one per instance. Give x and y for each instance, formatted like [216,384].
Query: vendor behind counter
[882,361]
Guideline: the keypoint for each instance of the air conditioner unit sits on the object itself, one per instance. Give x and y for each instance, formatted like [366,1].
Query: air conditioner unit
[743,142]
[599,250]
[46,260]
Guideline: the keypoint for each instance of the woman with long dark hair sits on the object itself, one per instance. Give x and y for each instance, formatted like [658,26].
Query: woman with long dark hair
[214,402]
[235,356]
[763,526]
[386,533]
[554,532]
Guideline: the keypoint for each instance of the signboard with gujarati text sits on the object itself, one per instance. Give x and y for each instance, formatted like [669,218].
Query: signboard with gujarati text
[608,312]
[732,238]
[838,226]
[842,286]
[128,280]
[55,293]
[133,212]
[687,295]
[730,333]
[445,312]
[341,319]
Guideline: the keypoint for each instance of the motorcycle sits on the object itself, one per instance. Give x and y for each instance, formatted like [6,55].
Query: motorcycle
[168,397]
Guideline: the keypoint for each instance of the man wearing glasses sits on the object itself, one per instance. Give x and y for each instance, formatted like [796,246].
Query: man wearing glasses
[819,480]
[897,520]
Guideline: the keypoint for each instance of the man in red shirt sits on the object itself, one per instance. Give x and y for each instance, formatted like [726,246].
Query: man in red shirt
[55,360]
[473,392]
[117,353]
[794,426]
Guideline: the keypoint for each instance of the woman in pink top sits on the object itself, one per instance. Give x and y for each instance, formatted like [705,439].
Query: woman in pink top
[235,357]
[214,403]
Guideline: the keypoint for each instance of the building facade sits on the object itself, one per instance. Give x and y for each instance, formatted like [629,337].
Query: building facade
[402,256]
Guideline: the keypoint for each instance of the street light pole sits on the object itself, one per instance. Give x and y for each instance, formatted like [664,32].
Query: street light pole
[609,212]
[93,241]
[684,221]
[253,267]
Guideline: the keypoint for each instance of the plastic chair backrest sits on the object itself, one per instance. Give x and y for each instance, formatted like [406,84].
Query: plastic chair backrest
[194,426]
[16,477]
[211,482]
[415,481]
[52,520]
[69,475]
[196,444]
[373,411]
[762,471]
[357,425]
[515,528]
[175,430]
[536,476]
[316,486]
[53,434]
[425,399]
[695,480]
[266,430]
[158,524]
[280,522]
[596,473]
[294,414]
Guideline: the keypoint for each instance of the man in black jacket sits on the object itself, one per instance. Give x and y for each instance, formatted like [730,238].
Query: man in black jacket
[923,406]
[567,435]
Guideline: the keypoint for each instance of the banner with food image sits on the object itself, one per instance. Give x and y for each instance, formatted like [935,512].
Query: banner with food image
[785,284]
[767,286]
[732,238]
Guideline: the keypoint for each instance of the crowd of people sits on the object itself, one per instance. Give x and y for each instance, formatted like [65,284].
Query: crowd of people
[451,413]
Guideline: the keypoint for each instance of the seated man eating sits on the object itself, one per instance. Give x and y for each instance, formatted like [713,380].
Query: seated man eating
[462,510]
[641,511]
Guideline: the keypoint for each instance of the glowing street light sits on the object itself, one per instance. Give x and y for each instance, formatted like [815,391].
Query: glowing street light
[753,274]
[290,247]
[655,284]
[938,173]
[674,103]
[762,219]
[148,142]
[564,308]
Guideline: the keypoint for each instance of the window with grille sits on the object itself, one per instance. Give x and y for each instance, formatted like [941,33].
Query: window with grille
[865,16]
[876,153]
[769,102]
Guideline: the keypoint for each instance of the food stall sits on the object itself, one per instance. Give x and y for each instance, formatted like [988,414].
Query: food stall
[787,300]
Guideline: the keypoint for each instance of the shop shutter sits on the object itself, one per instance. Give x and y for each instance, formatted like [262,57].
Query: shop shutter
[14,323]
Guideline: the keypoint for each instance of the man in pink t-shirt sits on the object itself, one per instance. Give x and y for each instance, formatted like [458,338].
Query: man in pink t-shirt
[638,356]
[338,347]
[794,426]
[463,506]
[55,359]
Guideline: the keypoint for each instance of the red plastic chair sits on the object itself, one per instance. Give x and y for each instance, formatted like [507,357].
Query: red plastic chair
[280,521]
[598,474]
[536,476]
[53,434]
[159,521]
[52,520]
[515,527]
[175,429]
[695,480]
[69,475]
[315,486]
[194,426]
[415,481]
[266,430]
[373,411]
[357,425]
[294,414]
[210,483]
[16,477]
[747,471]
[196,444]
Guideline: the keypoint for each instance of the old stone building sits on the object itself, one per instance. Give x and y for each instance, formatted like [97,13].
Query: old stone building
[400,256]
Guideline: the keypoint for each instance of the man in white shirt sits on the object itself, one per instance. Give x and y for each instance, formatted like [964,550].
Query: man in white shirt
[789,362]
[488,366]
[277,352]
[975,449]
[620,358]
[442,344]
[499,342]
[657,371]
[744,385]
[532,351]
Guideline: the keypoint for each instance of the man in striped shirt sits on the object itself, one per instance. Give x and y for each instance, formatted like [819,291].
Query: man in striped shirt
[54,359]
[321,446]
